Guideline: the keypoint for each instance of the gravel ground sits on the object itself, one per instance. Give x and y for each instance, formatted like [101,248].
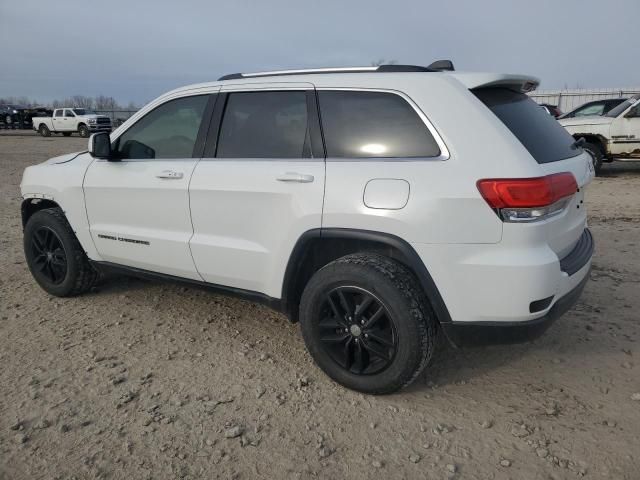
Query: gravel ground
[154,380]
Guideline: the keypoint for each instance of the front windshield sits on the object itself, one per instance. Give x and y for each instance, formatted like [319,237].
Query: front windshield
[82,111]
[614,112]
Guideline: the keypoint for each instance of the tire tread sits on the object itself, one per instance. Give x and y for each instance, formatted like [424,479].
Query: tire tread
[87,275]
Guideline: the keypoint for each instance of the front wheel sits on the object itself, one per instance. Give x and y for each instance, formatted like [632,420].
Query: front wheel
[596,156]
[54,256]
[367,323]
[83,130]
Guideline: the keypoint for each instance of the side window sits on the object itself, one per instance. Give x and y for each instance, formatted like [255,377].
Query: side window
[373,124]
[634,112]
[168,131]
[264,125]
[68,113]
[58,113]
[590,110]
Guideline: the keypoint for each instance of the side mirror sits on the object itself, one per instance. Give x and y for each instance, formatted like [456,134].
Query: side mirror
[100,146]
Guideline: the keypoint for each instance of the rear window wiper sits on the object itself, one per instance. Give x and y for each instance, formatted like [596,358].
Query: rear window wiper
[578,143]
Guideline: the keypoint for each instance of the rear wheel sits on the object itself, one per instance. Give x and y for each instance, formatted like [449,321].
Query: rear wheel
[596,155]
[83,130]
[54,255]
[367,323]
[44,130]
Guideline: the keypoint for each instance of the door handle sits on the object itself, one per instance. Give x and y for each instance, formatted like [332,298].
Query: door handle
[170,174]
[295,177]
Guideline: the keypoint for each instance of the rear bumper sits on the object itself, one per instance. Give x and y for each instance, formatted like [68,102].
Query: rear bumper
[506,293]
[463,334]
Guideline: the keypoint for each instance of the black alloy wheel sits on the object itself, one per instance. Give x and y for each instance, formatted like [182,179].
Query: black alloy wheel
[357,331]
[49,256]
[54,256]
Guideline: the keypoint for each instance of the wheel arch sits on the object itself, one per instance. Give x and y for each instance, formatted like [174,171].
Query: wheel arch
[32,205]
[318,247]
[595,139]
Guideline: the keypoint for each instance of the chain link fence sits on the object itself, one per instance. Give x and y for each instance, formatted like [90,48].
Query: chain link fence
[567,100]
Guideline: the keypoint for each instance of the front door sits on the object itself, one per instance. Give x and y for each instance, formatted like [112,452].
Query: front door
[625,133]
[138,206]
[261,189]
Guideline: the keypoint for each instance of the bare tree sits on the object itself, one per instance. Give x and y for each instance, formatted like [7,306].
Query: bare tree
[100,102]
[81,101]
[22,101]
[106,103]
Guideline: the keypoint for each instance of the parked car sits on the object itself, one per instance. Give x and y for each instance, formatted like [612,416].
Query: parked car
[614,136]
[552,110]
[355,201]
[70,120]
[595,108]
[12,116]
[15,116]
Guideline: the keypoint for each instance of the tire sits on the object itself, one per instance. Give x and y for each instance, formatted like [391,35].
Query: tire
[343,346]
[44,130]
[54,256]
[83,130]
[66,134]
[596,155]
[8,120]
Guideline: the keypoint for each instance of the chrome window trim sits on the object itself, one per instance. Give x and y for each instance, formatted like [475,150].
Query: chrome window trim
[444,151]
[158,102]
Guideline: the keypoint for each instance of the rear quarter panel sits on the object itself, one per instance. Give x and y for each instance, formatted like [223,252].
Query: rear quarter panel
[444,204]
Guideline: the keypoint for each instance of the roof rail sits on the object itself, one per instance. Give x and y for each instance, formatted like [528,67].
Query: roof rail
[437,66]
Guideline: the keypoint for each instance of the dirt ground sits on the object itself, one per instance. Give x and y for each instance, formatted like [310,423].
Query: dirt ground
[153,380]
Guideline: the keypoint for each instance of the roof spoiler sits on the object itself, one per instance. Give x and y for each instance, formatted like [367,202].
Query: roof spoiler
[518,83]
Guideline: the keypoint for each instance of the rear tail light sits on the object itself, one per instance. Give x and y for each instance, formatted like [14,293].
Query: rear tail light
[528,199]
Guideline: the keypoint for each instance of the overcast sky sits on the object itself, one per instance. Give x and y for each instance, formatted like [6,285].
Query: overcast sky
[137,49]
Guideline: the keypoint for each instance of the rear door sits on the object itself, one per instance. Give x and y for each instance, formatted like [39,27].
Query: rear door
[68,122]
[58,120]
[138,206]
[259,186]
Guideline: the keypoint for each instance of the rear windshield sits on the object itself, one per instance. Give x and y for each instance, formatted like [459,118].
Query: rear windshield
[540,133]
[614,112]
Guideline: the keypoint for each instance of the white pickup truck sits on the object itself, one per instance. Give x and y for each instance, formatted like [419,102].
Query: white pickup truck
[69,120]
[614,136]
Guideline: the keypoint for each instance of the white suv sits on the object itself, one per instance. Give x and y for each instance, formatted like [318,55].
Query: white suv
[377,206]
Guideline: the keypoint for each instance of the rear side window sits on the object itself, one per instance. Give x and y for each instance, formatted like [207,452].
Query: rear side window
[264,125]
[373,124]
[541,134]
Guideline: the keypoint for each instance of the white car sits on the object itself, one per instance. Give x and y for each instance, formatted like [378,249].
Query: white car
[613,136]
[70,120]
[375,205]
